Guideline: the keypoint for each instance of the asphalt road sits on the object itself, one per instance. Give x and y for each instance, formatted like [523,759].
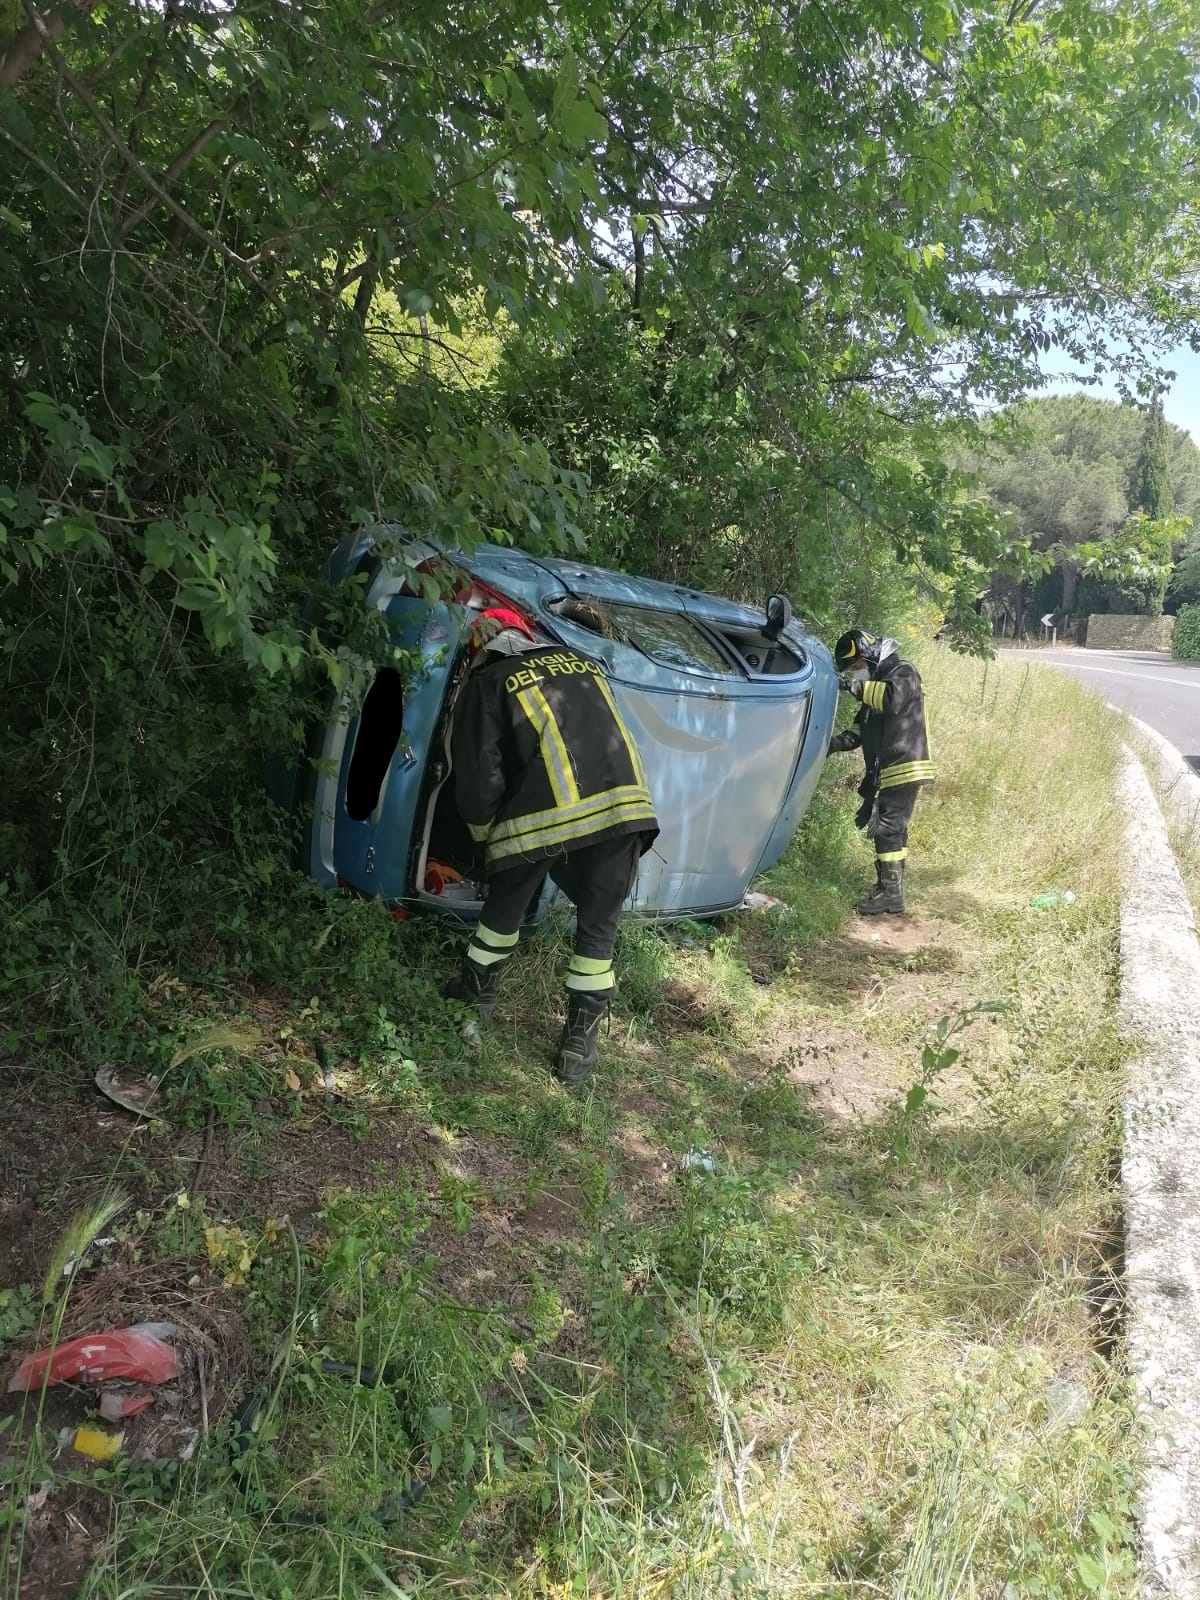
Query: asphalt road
[1163,692]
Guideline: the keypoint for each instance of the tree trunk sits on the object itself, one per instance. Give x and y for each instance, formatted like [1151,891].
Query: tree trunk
[26,46]
[1070,574]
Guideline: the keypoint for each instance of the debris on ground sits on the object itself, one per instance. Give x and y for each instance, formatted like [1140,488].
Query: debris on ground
[755,901]
[115,1407]
[1056,897]
[140,1353]
[93,1443]
[86,1256]
[129,1090]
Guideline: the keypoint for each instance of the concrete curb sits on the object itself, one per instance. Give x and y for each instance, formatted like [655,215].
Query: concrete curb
[1160,1172]
[1180,783]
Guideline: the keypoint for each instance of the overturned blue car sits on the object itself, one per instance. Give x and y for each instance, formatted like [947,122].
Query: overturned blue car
[732,710]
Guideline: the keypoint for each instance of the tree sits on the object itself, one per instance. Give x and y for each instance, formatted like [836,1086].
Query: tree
[753,269]
[1070,470]
[1152,474]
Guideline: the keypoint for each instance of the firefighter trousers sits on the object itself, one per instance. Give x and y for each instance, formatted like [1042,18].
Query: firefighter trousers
[889,826]
[596,877]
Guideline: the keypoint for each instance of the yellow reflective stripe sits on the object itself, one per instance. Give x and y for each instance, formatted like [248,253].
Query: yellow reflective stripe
[635,754]
[497,941]
[920,762]
[890,855]
[550,742]
[533,821]
[591,964]
[479,831]
[582,984]
[567,835]
[483,957]
[628,811]
[906,772]
[873,694]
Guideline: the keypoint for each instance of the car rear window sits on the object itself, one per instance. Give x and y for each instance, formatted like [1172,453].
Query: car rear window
[670,639]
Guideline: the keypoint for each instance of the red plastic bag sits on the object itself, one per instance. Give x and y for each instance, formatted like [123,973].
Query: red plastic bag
[139,1353]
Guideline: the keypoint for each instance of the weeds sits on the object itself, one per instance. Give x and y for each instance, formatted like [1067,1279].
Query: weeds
[920,1104]
[509,1345]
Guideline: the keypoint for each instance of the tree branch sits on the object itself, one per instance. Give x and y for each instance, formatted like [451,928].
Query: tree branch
[175,169]
[27,45]
[185,218]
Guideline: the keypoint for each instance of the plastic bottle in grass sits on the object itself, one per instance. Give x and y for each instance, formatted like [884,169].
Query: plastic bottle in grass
[1056,897]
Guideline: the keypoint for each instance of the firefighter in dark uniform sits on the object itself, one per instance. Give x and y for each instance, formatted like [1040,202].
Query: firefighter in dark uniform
[549,780]
[890,729]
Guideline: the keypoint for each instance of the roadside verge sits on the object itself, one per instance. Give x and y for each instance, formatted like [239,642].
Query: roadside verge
[1180,786]
[1160,1015]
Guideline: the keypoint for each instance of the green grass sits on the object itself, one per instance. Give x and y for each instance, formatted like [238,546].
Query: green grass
[858,1357]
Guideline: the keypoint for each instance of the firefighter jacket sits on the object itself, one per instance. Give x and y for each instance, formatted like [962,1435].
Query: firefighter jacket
[890,728]
[543,762]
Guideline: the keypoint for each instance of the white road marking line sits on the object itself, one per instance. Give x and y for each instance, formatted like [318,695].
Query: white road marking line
[1115,672]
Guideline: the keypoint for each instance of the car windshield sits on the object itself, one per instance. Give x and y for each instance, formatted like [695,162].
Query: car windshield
[670,639]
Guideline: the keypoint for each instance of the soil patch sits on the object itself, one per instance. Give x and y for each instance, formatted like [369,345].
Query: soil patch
[57,1139]
[555,1213]
[903,936]
[65,1526]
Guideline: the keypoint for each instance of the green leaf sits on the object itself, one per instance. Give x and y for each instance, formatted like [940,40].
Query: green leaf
[579,122]
[1102,1526]
[417,302]
[440,1418]
[1091,1573]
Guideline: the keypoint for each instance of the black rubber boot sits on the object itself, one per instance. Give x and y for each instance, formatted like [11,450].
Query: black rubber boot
[576,1060]
[887,898]
[477,986]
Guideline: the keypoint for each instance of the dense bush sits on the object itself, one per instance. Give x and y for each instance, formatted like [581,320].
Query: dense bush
[1185,641]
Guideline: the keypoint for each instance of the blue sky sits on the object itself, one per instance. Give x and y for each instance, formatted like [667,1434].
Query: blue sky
[1181,403]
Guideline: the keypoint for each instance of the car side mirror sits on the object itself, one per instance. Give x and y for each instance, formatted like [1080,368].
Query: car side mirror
[779,614]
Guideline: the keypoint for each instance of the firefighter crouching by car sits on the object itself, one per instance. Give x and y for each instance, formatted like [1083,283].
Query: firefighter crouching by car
[549,779]
[890,729]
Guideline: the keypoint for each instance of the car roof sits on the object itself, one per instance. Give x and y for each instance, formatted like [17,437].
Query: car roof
[537,582]
[547,577]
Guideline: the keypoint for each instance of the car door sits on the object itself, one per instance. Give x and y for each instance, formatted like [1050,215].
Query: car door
[369,759]
[385,749]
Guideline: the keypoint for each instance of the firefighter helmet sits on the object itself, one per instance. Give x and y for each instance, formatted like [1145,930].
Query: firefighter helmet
[856,649]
